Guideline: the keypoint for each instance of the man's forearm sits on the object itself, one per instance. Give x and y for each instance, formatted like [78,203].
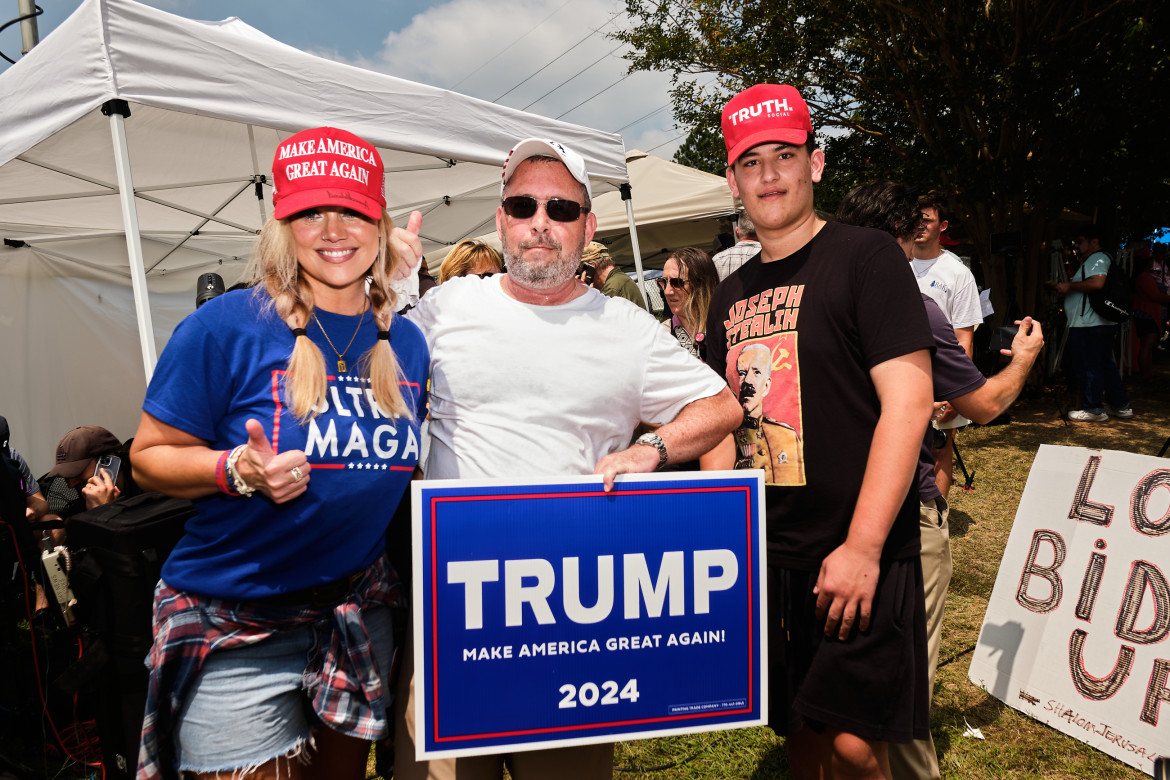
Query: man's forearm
[966,339]
[889,472]
[720,458]
[700,426]
[1091,284]
[999,392]
[37,503]
[904,391]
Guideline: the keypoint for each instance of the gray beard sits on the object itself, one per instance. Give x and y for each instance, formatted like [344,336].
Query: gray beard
[545,277]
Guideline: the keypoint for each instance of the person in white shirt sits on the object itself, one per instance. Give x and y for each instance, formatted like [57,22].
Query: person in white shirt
[944,277]
[746,247]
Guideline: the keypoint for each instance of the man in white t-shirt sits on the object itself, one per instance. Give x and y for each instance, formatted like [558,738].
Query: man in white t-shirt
[944,277]
[533,373]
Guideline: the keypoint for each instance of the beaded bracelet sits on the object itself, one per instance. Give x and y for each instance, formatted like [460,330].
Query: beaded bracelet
[234,475]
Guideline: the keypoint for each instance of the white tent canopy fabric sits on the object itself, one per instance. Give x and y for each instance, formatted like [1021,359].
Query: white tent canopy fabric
[674,206]
[208,103]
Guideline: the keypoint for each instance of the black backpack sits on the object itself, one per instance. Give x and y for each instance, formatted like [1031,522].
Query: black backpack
[1114,301]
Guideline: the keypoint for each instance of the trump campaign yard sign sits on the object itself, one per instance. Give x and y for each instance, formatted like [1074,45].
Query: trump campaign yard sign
[550,613]
[1076,631]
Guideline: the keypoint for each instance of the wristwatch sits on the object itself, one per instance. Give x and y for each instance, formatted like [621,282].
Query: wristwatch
[655,441]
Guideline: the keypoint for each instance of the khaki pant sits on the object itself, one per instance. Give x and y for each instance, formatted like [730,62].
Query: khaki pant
[587,762]
[918,760]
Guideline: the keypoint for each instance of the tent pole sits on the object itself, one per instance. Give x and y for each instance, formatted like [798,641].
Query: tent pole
[29,36]
[627,197]
[117,111]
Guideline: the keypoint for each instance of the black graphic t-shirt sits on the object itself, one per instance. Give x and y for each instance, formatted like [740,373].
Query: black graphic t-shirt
[795,339]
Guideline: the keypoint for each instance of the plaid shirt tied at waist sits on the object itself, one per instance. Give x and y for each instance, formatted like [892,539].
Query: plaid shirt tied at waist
[341,678]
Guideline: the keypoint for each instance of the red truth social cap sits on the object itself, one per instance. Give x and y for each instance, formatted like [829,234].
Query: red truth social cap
[765,113]
[326,166]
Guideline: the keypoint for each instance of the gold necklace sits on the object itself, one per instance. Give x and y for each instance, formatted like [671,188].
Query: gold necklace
[340,355]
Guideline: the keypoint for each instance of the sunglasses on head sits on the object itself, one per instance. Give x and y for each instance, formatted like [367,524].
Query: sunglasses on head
[676,282]
[558,209]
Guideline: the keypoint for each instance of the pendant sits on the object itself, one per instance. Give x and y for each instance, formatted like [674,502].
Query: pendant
[340,366]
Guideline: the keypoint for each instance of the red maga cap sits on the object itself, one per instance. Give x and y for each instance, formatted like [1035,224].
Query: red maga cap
[326,166]
[765,113]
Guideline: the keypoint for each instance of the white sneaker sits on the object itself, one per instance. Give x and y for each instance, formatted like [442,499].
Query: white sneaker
[1124,412]
[1080,415]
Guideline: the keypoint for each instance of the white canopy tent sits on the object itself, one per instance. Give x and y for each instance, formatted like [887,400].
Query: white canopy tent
[676,206]
[107,220]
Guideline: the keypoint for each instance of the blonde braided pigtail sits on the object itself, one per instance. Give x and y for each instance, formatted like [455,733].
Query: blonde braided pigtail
[380,362]
[275,264]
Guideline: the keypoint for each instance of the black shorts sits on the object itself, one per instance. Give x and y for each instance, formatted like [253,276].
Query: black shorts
[1145,326]
[872,685]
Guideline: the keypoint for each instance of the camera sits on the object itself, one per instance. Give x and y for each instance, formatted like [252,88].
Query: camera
[110,464]
[586,272]
[209,286]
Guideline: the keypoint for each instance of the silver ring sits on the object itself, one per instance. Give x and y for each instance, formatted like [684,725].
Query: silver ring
[298,475]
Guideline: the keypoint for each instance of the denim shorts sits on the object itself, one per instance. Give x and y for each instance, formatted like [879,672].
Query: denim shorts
[248,705]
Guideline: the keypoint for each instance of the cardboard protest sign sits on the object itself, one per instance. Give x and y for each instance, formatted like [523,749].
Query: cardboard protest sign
[550,613]
[1076,629]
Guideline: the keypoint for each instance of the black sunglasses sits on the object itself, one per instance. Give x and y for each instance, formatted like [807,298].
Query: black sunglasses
[558,209]
[676,282]
[486,274]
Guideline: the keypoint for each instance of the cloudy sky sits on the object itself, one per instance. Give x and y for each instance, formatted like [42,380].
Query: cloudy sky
[550,57]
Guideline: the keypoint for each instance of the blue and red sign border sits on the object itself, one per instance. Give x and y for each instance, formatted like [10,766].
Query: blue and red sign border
[428,500]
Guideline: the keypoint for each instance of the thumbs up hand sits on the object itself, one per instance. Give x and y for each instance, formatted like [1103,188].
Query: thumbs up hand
[406,247]
[280,476]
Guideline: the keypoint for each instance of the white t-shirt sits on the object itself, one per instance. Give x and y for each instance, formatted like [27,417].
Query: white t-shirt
[524,390]
[952,286]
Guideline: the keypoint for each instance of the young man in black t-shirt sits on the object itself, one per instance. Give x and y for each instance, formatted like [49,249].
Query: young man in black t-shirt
[840,312]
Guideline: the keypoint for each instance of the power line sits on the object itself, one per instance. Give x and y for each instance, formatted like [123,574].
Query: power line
[664,143]
[562,54]
[510,45]
[570,78]
[595,94]
[652,113]
[644,116]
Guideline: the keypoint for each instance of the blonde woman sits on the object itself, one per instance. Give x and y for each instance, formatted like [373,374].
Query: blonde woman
[471,258]
[688,279]
[289,414]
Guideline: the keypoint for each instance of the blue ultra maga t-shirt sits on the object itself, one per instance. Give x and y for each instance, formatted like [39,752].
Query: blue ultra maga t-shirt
[225,364]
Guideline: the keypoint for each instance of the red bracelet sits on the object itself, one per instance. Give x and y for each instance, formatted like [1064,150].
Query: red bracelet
[221,478]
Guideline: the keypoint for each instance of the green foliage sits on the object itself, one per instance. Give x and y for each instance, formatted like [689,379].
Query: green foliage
[703,149]
[1016,108]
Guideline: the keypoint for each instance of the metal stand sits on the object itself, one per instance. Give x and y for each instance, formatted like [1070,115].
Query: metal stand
[1057,274]
[968,479]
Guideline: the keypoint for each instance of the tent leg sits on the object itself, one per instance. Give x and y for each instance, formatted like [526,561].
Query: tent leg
[117,111]
[626,196]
